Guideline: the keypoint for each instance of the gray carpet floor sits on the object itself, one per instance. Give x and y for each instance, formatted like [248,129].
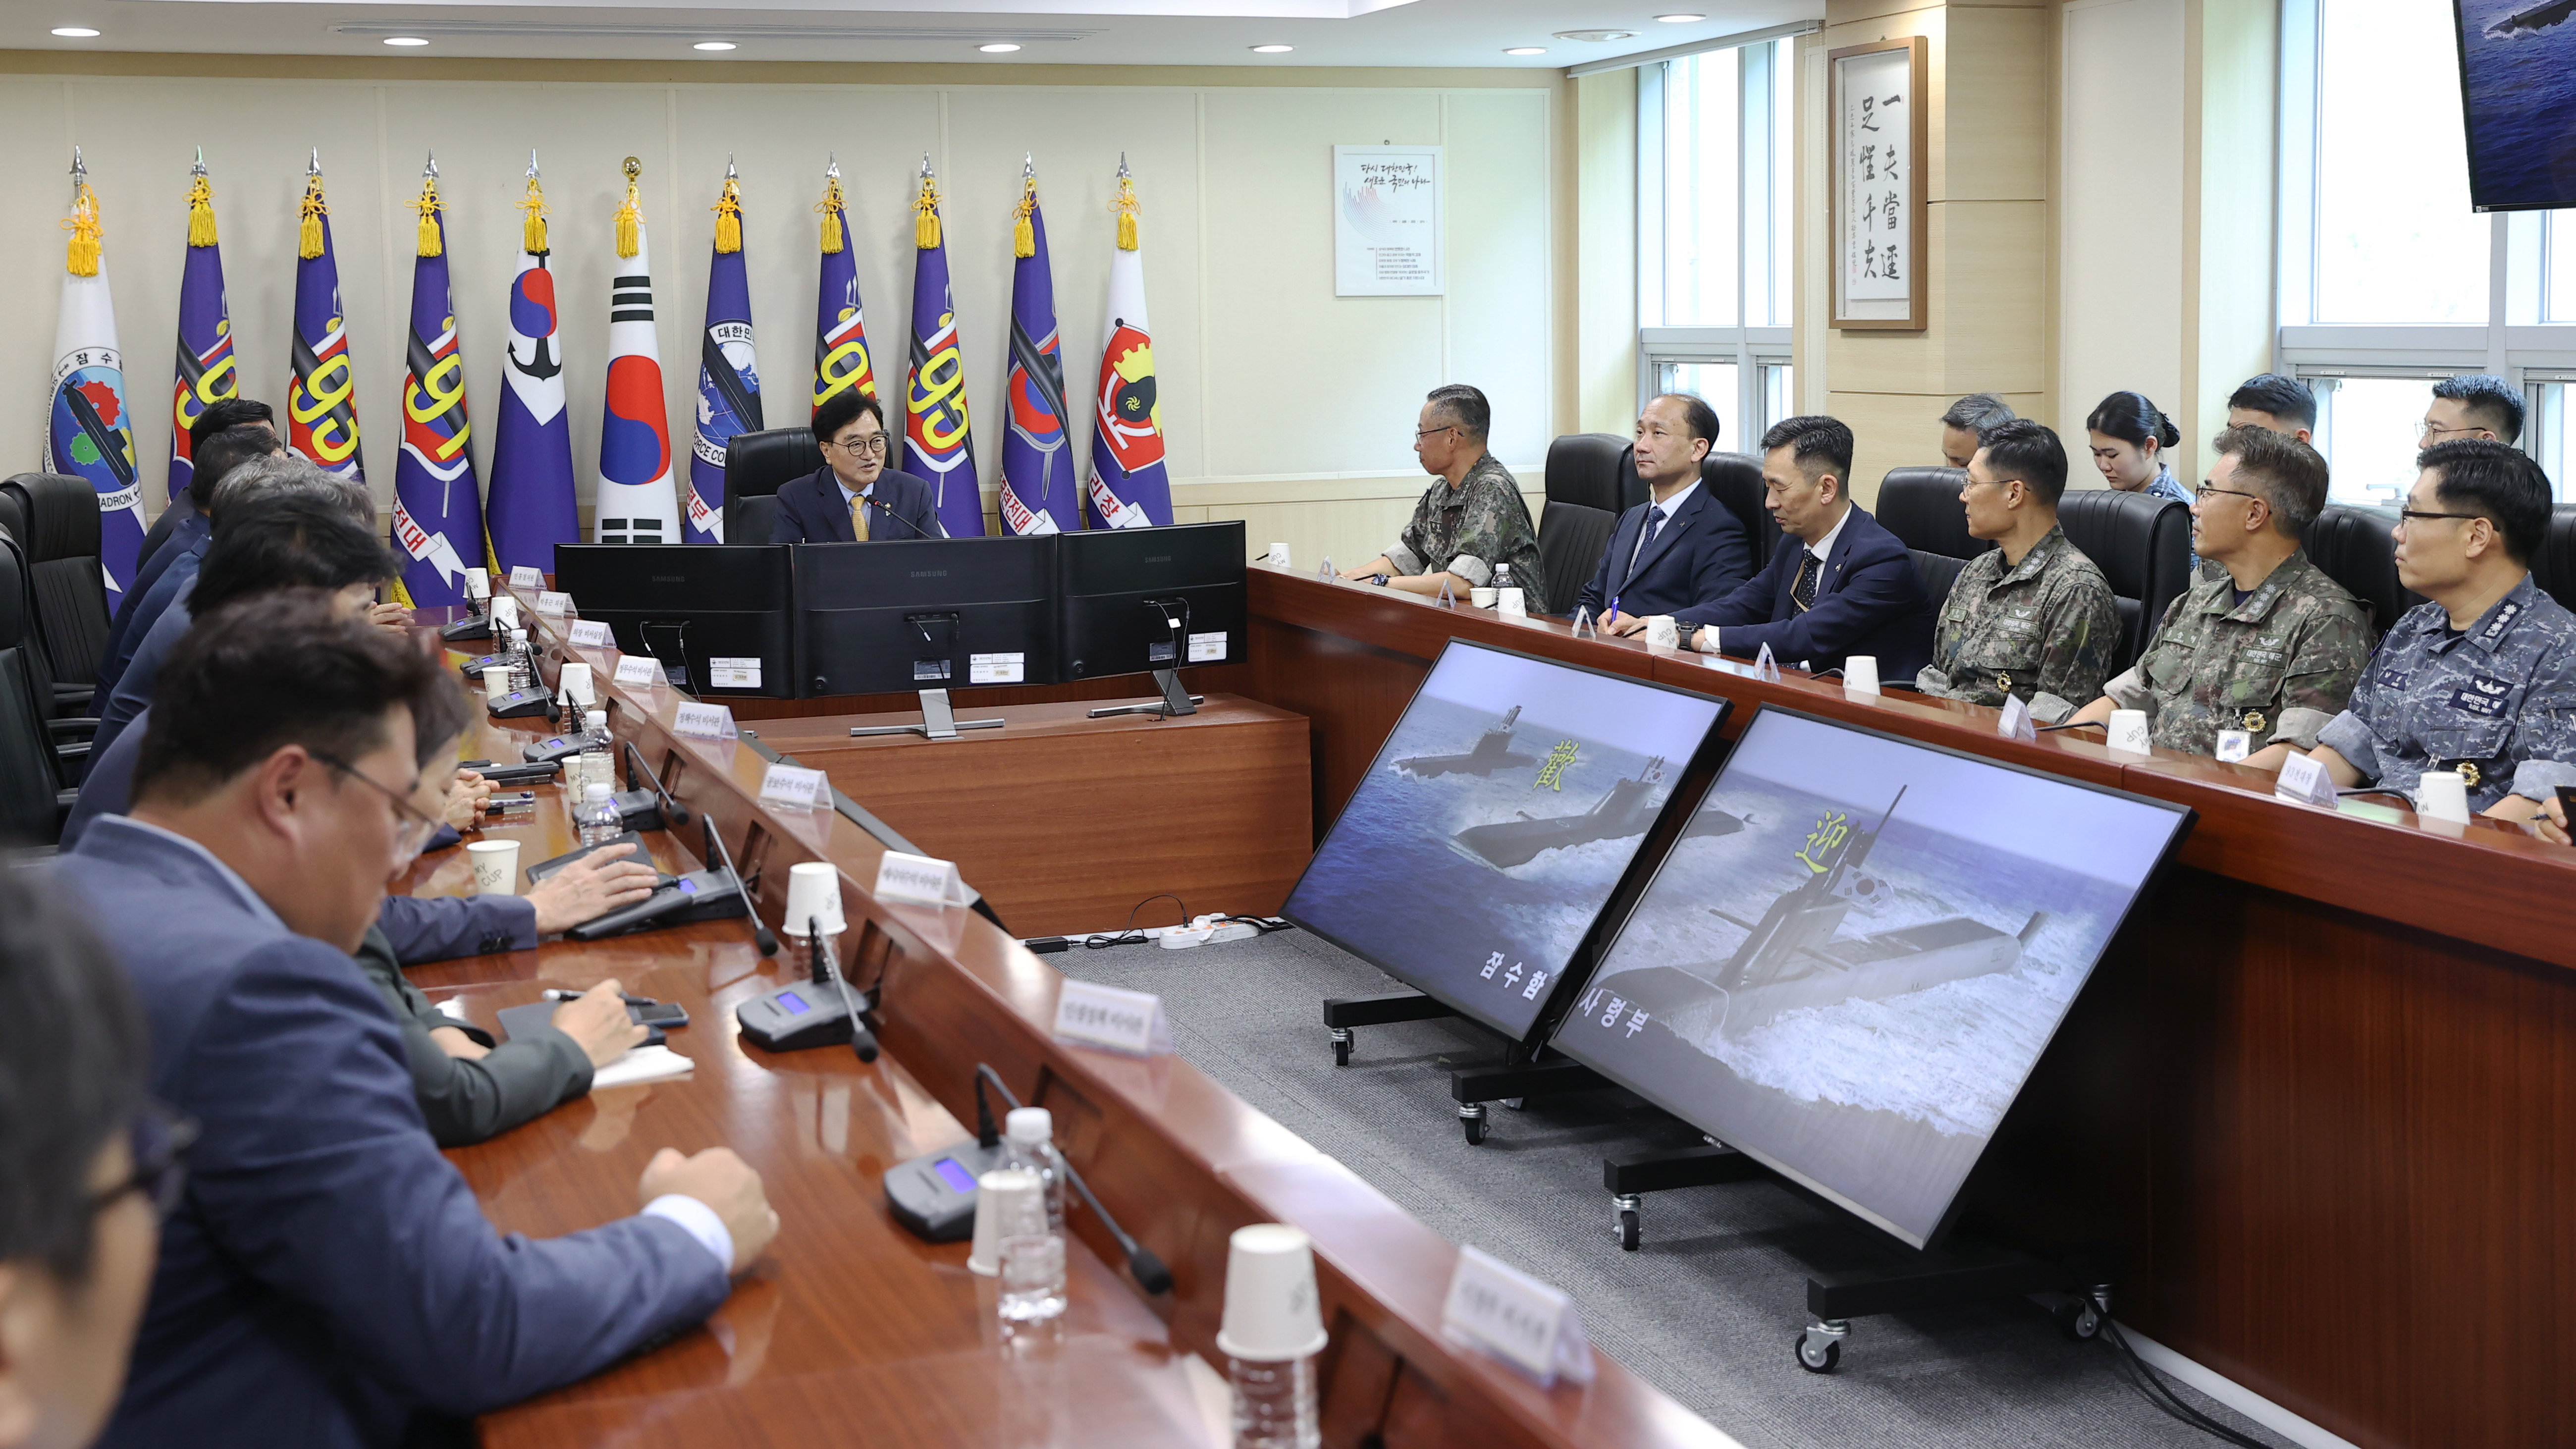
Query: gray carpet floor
[1706,1310]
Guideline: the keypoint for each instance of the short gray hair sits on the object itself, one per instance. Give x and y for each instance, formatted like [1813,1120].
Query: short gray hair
[284,472]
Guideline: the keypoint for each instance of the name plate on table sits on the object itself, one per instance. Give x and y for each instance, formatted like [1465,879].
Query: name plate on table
[638,669]
[2014,723]
[524,577]
[2306,782]
[791,785]
[555,604]
[1765,667]
[1528,1324]
[997,668]
[1120,1021]
[920,880]
[705,722]
[590,633]
[1206,647]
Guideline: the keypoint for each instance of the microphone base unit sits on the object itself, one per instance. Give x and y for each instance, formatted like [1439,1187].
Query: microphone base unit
[642,809]
[701,895]
[478,627]
[939,720]
[530,773]
[522,703]
[473,668]
[1175,701]
[552,749]
[934,1196]
[796,1017]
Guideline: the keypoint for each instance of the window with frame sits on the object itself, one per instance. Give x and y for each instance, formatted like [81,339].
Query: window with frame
[2389,281]
[1714,153]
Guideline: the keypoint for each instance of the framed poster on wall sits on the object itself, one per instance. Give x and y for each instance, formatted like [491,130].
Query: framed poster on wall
[1386,221]
[1874,96]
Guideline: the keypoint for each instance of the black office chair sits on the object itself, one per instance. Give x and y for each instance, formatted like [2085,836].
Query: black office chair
[1735,481]
[1571,540]
[2356,548]
[33,799]
[755,465]
[1921,507]
[2554,566]
[1594,470]
[2142,545]
[61,541]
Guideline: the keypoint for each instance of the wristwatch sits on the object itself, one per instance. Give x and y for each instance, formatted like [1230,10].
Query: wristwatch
[1683,629]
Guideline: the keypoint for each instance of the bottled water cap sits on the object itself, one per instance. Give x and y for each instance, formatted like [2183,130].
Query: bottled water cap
[596,791]
[1029,1125]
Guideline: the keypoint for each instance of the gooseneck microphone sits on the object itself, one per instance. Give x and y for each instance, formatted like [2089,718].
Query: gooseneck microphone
[1149,1271]
[863,1042]
[888,510]
[761,935]
[674,814]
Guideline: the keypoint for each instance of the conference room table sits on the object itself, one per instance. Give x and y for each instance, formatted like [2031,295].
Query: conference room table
[850,1330]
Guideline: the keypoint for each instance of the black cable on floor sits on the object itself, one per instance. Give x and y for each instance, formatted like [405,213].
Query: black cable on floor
[1131,936]
[2162,1395]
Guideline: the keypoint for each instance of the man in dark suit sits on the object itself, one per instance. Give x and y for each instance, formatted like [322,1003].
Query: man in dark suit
[854,497]
[160,583]
[1681,549]
[1838,584]
[329,1278]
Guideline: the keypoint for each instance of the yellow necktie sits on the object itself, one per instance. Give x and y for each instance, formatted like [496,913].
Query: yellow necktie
[859,517]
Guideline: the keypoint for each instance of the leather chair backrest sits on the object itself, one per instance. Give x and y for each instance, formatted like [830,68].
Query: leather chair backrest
[750,520]
[1937,572]
[2355,548]
[13,515]
[28,788]
[1594,470]
[2141,544]
[2554,566]
[61,542]
[756,464]
[1921,507]
[1735,480]
[1571,540]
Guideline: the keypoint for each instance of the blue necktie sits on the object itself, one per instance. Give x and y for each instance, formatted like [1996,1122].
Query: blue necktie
[1654,525]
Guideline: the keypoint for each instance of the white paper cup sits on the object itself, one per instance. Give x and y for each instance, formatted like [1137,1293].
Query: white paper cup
[1271,1310]
[496,866]
[2442,795]
[496,682]
[1860,674]
[2129,731]
[1279,556]
[1008,1204]
[1511,601]
[813,889]
[1482,598]
[572,682]
[478,584]
[1662,632]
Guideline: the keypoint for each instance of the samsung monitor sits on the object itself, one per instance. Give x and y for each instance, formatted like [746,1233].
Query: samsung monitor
[2517,58]
[1853,957]
[716,617]
[925,614]
[1496,825]
[1152,600]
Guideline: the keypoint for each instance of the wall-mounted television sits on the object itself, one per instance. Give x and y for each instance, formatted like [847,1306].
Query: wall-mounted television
[2518,88]
[1852,958]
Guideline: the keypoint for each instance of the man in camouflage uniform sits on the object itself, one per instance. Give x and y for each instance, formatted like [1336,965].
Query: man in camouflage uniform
[1472,522]
[2032,616]
[2482,679]
[2264,642]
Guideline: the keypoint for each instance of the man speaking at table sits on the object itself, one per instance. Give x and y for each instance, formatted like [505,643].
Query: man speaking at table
[1838,584]
[1680,548]
[330,1278]
[854,497]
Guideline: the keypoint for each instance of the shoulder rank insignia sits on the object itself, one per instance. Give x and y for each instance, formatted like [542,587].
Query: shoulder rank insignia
[2254,721]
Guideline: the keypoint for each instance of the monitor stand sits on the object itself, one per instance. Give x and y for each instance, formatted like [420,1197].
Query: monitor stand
[939,720]
[1175,699]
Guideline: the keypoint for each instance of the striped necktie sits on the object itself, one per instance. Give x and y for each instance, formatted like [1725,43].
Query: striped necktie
[1803,592]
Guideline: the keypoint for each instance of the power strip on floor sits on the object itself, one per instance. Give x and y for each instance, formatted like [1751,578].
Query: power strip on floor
[1207,930]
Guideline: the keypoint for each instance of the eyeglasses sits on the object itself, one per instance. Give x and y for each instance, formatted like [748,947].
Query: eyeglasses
[2408,515]
[1973,481]
[2430,429]
[409,834]
[2201,494]
[858,447]
[160,1141]
[1421,433]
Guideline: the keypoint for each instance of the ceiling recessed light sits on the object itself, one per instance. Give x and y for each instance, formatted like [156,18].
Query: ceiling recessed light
[1272,49]
[404,40]
[999,47]
[1527,50]
[713,45]
[1679,19]
[75,32]
[1596,35]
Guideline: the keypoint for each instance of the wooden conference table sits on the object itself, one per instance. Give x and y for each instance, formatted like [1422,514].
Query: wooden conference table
[848,1330]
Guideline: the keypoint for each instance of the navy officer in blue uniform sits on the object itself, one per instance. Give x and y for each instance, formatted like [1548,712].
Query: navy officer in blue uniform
[2481,680]
[854,497]
[1680,548]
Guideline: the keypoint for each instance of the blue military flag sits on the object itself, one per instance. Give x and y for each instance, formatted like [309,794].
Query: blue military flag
[840,334]
[728,374]
[938,443]
[1039,494]
[438,512]
[532,507]
[1129,487]
[321,402]
[87,432]
[205,373]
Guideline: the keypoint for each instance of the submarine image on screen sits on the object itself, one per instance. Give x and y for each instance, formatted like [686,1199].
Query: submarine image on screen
[2518,94]
[1494,825]
[1853,958]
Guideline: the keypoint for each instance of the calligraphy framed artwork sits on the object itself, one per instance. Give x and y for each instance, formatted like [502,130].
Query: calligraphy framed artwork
[1875,95]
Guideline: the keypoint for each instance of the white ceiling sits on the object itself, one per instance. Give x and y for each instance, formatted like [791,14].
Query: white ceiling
[1084,32]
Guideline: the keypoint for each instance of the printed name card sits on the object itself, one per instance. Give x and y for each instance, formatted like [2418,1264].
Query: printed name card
[2306,782]
[554,604]
[1120,1021]
[1765,667]
[524,577]
[1527,1324]
[790,785]
[2014,723]
[920,880]
[639,669]
[705,722]
[590,633]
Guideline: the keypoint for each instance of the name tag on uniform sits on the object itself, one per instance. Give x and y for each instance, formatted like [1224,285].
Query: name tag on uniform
[2234,746]
[2482,697]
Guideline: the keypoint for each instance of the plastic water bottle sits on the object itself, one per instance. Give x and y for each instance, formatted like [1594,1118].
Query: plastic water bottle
[598,762]
[1274,1404]
[1502,576]
[598,819]
[523,668]
[1028,1137]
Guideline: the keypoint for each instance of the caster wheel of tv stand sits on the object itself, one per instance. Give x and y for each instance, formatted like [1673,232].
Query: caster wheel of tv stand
[1630,1233]
[1341,1049]
[1819,1361]
[1471,1119]
[2079,1319]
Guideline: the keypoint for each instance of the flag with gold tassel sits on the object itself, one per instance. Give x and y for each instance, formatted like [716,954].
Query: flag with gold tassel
[87,432]
[728,372]
[438,511]
[1039,492]
[840,333]
[1129,487]
[321,389]
[532,508]
[938,442]
[636,501]
[206,373]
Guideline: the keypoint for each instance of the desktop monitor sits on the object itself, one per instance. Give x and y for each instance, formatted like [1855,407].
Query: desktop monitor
[925,614]
[717,614]
[1497,824]
[1139,600]
[1853,957]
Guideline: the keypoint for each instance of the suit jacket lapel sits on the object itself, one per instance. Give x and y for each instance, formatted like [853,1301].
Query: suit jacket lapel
[836,509]
[1673,526]
[1830,577]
